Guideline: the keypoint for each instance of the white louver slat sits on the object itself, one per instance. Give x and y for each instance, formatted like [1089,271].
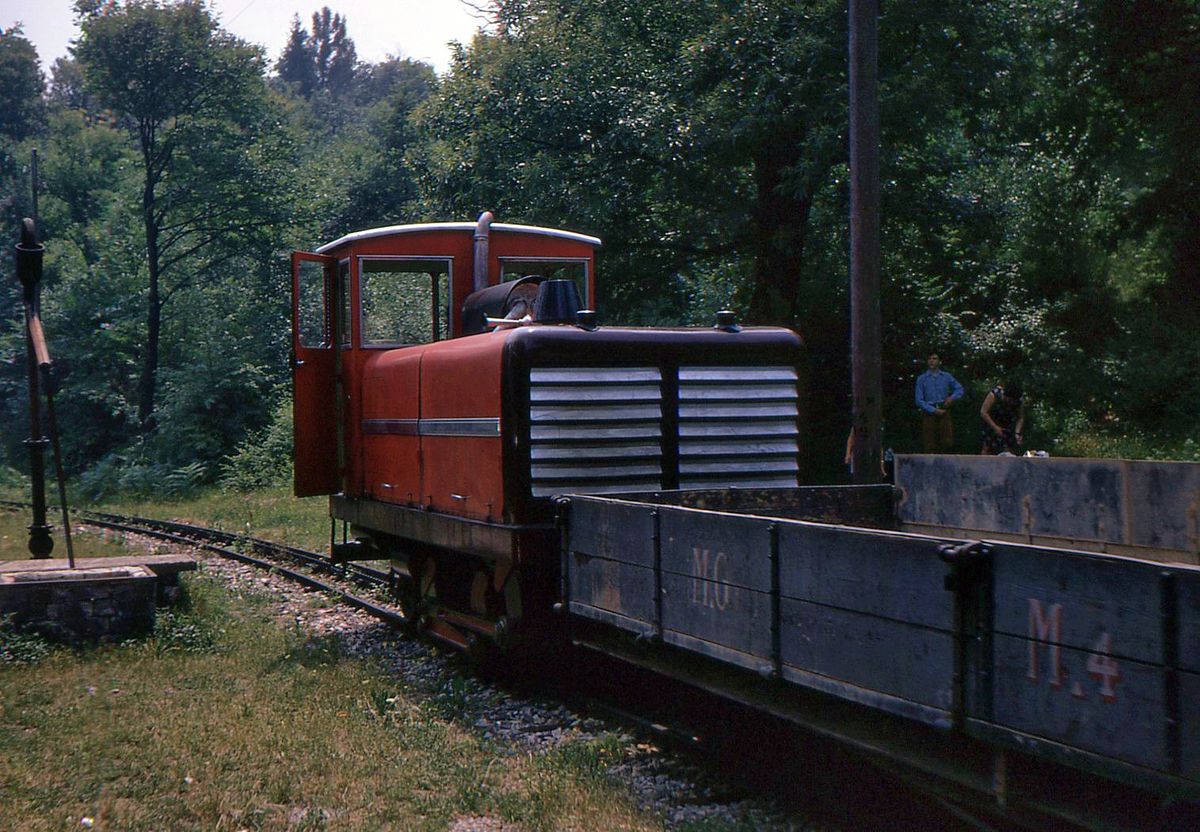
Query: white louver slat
[595,430]
[737,427]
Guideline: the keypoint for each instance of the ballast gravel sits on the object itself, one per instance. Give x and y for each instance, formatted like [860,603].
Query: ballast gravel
[659,781]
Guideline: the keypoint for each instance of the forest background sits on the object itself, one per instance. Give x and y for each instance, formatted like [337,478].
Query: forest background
[1040,180]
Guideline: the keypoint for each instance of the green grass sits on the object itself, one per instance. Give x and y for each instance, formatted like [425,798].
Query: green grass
[14,538]
[273,514]
[226,720]
[1114,444]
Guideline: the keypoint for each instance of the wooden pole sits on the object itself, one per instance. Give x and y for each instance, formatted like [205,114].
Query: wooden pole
[865,317]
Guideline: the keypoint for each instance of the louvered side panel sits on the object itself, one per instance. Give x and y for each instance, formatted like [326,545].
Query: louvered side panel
[738,427]
[595,430]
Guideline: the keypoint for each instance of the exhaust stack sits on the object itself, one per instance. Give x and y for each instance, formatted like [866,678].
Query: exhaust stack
[483,230]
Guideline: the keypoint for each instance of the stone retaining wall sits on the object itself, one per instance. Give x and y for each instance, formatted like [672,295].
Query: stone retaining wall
[79,606]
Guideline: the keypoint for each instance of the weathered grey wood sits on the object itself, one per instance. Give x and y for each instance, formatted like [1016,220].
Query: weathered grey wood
[1164,504]
[908,662]
[624,589]
[1049,692]
[891,575]
[1078,600]
[1091,504]
[613,619]
[726,548]
[869,506]
[720,652]
[1074,655]
[936,717]
[613,529]
[718,613]
[1071,498]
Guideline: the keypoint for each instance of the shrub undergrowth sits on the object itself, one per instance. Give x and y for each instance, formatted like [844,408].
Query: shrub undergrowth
[265,458]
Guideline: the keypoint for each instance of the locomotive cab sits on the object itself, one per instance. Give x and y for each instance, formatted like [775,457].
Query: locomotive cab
[443,412]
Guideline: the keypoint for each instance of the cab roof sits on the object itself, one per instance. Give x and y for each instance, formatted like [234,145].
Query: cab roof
[469,227]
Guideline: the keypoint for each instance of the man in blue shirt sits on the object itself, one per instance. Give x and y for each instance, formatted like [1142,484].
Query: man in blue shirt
[936,391]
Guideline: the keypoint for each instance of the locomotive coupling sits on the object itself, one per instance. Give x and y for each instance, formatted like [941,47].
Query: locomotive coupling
[350,550]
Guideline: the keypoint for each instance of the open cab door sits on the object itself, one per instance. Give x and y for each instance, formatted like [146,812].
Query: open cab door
[314,396]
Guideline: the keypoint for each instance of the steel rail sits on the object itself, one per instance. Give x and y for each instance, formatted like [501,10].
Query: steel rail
[194,537]
[220,543]
[360,572]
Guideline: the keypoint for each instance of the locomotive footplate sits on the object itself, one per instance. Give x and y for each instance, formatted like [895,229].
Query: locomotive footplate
[490,541]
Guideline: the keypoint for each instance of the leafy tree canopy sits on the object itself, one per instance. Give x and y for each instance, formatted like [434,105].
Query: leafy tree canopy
[21,85]
[194,99]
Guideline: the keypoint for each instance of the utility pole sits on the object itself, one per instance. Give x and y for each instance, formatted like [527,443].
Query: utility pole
[865,317]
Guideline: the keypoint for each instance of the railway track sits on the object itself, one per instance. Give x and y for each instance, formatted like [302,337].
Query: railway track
[256,552]
[747,762]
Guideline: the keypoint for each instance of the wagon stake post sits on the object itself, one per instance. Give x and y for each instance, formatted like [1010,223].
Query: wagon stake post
[968,562]
[28,257]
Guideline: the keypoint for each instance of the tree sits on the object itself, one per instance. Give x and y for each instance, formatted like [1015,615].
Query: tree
[343,60]
[1128,115]
[395,79]
[297,62]
[66,85]
[705,141]
[193,98]
[1147,57]
[321,67]
[21,85]
[333,51]
[381,189]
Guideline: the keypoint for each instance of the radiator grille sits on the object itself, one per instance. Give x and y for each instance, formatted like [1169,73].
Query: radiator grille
[595,430]
[737,427]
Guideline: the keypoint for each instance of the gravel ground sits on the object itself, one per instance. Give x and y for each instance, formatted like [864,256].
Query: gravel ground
[659,781]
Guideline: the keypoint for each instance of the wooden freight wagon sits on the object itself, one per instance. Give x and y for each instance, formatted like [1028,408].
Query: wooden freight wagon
[1038,613]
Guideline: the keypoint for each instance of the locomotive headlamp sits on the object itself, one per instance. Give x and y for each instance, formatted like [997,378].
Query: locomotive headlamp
[727,321]
[557,302]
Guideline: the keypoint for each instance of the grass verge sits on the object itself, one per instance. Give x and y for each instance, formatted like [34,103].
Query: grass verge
[270,513]
[226,720]
[14,538]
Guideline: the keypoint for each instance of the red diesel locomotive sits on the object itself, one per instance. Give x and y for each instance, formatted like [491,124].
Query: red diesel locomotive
[448,387]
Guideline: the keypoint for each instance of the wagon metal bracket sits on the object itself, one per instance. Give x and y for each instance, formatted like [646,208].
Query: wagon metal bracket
[966,552]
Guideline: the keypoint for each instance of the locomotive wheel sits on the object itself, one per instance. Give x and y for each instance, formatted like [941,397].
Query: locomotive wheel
[408,596]
[426,590]
[414,589]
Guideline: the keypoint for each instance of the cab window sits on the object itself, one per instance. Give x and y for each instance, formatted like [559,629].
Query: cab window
[312,324]
[550,268]
[404,300]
